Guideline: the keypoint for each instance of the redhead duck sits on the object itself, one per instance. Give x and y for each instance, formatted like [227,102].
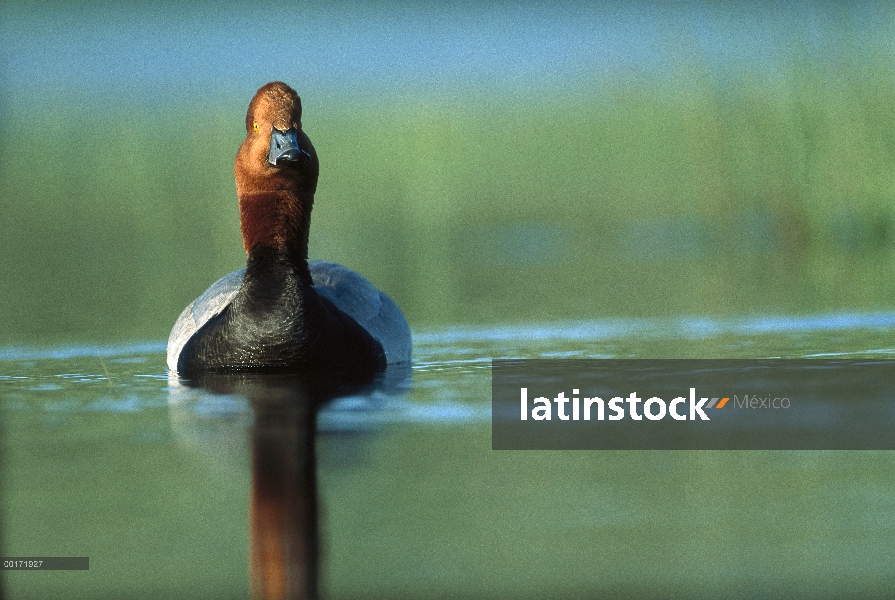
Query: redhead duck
[282,313]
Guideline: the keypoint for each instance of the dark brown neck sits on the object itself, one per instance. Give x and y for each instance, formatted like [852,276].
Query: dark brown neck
[277,220]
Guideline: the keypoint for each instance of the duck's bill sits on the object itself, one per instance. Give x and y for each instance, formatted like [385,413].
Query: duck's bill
[284,148]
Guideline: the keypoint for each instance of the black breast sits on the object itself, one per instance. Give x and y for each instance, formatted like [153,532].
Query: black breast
[278,323]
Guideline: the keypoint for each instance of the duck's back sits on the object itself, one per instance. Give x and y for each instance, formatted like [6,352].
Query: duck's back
[349,291]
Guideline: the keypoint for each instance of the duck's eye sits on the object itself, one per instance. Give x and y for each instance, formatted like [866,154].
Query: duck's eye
[255,126]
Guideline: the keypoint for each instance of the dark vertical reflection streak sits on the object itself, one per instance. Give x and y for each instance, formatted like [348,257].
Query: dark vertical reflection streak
[284,542]
[283,553]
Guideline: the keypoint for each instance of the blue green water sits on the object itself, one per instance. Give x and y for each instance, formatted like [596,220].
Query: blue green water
[106,457]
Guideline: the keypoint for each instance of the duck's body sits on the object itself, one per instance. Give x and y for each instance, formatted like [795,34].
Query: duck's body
[281,313]
[348,291]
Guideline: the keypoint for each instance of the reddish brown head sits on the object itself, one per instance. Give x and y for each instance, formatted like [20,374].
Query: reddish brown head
[276,172]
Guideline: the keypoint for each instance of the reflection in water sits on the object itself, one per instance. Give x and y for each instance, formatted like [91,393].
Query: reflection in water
[283,515]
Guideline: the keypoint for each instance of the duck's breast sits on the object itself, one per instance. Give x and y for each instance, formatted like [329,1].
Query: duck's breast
[348,290]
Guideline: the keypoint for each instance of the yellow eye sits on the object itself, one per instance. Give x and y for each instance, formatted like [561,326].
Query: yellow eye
[255,126]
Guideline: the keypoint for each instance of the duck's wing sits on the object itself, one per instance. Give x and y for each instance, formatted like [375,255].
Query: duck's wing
[200,311]
[372,309]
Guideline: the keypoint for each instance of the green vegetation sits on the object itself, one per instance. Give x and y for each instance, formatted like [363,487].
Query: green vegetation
[632,197]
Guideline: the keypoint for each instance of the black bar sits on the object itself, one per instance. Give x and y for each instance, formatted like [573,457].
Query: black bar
[45,563]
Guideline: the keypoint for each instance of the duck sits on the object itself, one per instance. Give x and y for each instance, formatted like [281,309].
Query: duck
[282,312]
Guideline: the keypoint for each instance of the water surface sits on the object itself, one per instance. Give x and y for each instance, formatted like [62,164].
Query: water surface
[106,457]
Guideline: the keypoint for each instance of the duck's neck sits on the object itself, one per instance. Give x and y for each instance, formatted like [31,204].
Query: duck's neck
[275,234]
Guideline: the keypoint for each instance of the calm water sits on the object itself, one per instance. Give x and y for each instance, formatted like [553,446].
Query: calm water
[106,457]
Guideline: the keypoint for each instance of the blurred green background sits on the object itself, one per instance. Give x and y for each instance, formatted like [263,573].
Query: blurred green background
[481,163]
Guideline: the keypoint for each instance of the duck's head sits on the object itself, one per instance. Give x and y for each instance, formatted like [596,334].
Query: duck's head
[276,170]
[276,154]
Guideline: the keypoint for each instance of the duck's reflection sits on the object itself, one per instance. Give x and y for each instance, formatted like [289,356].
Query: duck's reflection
[283,514]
